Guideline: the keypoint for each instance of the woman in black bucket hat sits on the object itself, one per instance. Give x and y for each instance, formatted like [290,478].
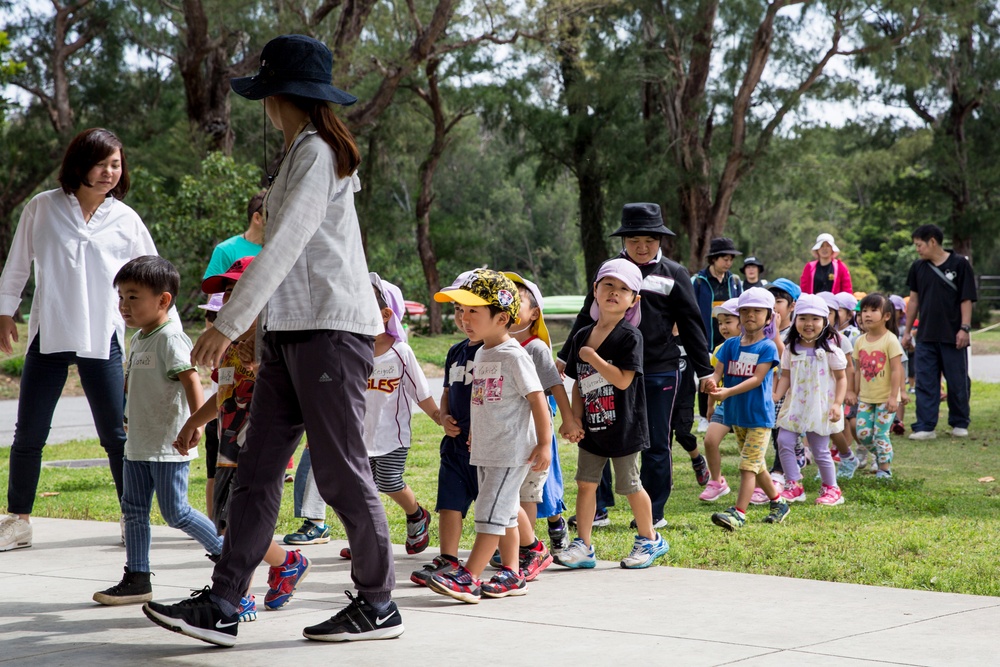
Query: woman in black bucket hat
[667,299]
[318,317]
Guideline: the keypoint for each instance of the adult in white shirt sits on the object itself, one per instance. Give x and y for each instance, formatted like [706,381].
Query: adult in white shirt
[77,237]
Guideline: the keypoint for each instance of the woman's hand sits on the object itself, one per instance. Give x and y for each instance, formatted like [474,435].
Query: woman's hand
[8,333]
[209,349]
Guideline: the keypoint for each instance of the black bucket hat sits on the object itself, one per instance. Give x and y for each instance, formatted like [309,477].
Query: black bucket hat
[751,261]
[641,220]
[293,65]
[722,246]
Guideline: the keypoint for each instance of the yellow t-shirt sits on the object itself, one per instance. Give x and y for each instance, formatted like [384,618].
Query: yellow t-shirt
[874,366]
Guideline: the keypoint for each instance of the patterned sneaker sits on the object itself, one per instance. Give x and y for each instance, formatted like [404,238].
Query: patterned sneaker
[883,474]
[600,519]
[417,534]
[778,511]
[533,560]
[439,565]
[309,533]
[731,519]
[248,609]
[793,493]
[802,456]
[644,552]
[714,490]
[282,581]
[505,583]
[759,497]
[847,467]
[196,617]
[132,589]
[701,473]
[458,584]
[358,621]
[15,533]
[831,495]
[558,536]
[577,555]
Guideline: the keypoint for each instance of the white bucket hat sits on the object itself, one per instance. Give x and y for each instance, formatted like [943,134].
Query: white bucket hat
[826,238]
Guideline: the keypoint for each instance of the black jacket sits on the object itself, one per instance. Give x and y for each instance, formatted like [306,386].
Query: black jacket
[667,298]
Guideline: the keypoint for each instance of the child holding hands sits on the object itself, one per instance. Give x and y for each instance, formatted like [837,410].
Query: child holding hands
[609,399]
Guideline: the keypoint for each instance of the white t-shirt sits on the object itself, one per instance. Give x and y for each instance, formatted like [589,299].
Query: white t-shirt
[156,406]
[75,264]
[396,383]
[503,431]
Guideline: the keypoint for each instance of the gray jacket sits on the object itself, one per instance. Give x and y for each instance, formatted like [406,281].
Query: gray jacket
[311,273]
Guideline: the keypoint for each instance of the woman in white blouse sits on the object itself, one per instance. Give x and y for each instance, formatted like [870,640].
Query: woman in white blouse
[77,236]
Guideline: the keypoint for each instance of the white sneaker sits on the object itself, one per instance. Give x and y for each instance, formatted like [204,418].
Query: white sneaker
[924,435]
[702,424]
[959,432]
[15,533]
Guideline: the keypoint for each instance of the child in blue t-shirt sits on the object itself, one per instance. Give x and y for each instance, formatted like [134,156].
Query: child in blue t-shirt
[746,362]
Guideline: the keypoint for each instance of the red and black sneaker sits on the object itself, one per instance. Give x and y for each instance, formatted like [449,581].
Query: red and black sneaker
[458,584]
[533,560]
[345,553]
[439,565]
[505,583]
[418,533]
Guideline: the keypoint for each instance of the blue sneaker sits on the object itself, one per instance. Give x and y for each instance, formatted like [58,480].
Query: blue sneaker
[248,609]
[847,467]
[577,555]
[309,533]
[282,581]
[644,552]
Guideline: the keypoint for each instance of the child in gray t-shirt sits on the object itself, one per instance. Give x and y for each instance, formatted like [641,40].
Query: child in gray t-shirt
[510,434]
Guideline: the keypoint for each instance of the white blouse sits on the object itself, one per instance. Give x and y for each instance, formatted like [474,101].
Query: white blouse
[75,264]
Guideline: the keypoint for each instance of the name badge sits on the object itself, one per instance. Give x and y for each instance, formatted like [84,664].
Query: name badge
[384,371]
[227,376]
[488,370]
[749,358]
[146,360]
[592,383]
[657,284]
[460,374]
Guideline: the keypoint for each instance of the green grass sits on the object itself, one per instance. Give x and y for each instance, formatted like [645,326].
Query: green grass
[933,527]
[987,342]
[433,349]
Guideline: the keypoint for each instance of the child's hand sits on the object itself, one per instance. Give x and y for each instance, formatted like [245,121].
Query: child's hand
[588,354]
[188,438]
[835,413]
[904,399]
[541,457]
[891,404]
[246,350]
[571,430]
[451,428]
[561,367]
[851,398]
[720,393]
[708,385]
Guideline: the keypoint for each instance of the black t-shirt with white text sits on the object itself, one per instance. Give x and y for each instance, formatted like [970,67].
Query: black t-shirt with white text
[939,306]
[614,419]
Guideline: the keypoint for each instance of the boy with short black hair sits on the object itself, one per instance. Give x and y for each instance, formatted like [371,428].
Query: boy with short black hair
[609,400]
[510,433]
[161,389]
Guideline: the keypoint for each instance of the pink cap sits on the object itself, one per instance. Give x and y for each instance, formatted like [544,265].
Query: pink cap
[814,304]
[393,298]
[628,273]
[756,297]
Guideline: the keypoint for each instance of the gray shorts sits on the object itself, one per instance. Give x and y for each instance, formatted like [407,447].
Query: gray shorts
[498,500]
[533,486]
[590,466]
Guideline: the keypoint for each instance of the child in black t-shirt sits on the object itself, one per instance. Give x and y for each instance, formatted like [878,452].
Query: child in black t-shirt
[609,399]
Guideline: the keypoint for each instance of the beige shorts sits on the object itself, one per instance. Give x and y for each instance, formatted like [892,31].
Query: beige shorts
[589,468]
[753,447]
[534,484]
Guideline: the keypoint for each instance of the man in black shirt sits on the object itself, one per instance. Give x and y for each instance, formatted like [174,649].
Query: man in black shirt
[942,290]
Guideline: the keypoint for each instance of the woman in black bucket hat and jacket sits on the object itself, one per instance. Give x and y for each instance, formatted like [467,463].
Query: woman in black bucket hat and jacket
[667,299]
[317,321]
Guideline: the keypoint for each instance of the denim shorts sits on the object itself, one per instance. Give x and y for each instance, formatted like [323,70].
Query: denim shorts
[718,417]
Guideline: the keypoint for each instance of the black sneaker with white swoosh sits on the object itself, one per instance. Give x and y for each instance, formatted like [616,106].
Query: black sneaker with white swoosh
[358,621]
[196,617]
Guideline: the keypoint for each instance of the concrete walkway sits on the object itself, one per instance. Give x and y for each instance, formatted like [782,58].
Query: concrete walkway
[659,616]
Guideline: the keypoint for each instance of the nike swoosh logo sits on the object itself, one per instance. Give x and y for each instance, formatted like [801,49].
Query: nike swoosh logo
[380,621]
[221,626]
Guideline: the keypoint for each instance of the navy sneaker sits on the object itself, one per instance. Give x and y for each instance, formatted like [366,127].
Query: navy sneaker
[558,536]
[248,609]
[358,621]
[601,519]
[309,533]
[505,583]
[196,617]
[701,473]
[439,565]
[418,534]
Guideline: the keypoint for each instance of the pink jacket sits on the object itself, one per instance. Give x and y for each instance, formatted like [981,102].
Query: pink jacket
[841,277]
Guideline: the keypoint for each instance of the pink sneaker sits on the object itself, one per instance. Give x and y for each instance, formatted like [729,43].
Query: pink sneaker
[831,496]
[759,497]
[714,490]
[794,493]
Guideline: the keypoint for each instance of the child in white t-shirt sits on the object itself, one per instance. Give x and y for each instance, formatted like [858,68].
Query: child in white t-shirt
[162,389]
